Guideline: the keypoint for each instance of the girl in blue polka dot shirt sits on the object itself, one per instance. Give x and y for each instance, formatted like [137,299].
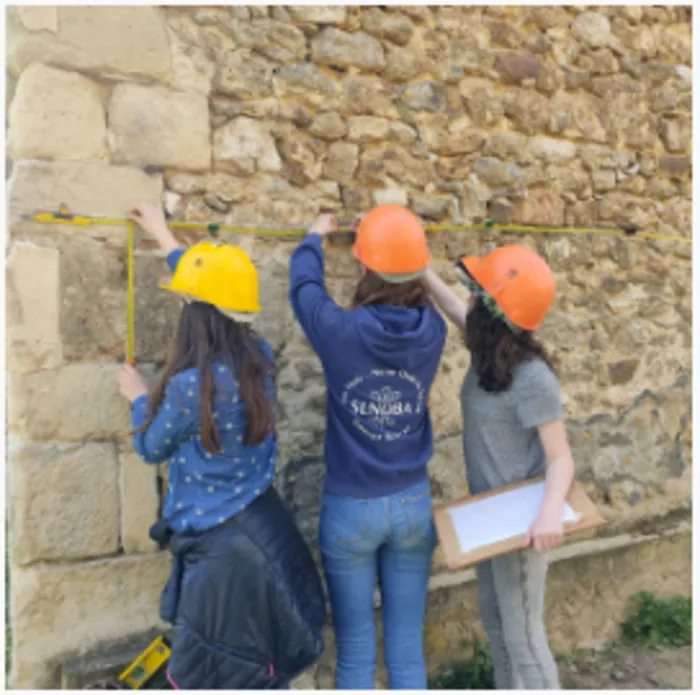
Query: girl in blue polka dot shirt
[211,416]
[244,596]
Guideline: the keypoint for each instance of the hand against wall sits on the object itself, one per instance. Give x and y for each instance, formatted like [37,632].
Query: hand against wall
[356,224]
[130,383]
[152,220]
[324,224]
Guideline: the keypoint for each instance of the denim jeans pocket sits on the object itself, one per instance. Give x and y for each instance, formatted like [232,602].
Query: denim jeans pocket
[344,521]
[418,511]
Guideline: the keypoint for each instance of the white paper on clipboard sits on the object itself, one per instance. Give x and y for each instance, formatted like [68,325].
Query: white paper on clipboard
[501,517]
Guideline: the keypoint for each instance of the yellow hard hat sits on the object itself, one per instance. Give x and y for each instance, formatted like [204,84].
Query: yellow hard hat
[218,274]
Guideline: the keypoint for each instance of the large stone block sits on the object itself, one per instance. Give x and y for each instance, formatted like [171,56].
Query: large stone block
[88,188]
[64,502]
[39,18]
[156,311]
[57,115]
[58,611]
[33,308]
[90,305]
[69,404]
[244,146]
[155,126]
[116,41]
[139,502]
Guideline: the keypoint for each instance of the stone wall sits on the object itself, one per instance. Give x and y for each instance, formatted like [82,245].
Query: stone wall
[536,115]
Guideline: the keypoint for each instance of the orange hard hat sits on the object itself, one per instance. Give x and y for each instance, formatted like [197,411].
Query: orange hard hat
[391,242]
[517,279]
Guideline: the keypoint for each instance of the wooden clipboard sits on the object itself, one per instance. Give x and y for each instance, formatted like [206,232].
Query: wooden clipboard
[455,558]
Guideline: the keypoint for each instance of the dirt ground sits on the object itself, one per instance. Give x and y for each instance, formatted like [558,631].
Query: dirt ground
[628,668]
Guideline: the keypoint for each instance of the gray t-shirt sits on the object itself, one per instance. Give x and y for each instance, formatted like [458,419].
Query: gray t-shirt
[501,442]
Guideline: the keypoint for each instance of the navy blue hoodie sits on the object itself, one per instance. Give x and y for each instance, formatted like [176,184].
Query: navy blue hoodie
[380,363]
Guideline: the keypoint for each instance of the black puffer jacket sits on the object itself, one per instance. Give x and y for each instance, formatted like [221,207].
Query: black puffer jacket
[246,601]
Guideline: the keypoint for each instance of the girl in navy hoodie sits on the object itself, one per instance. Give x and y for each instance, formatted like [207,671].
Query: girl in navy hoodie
[380,359]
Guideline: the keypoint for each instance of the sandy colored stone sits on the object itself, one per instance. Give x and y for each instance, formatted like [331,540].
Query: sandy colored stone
[674,166]
[39,18]
[542,206]
[504,144]
[56,115]
[496,172]
[154,126]
[319,14]
[33,308]
[388,25]
[391,196]
[431,207]
[529,110]
[517,65]
[423,96]
[279,41]
[676,133]
[402,64]
[139,503]
[335,47]
[341,161]
[593,28]
[552,150]
[107,40]
[244,75]
[450,137]
[329,126]
[64,502]
[89,188]
[367,95]
[71,403]
[192,68]
[367,128]
[484,105]
[308,83]
[245,145]
[62,609]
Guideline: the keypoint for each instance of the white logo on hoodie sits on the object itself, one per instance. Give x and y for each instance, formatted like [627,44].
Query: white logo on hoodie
[381,401]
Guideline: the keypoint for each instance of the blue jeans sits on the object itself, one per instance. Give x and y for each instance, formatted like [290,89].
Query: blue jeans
[391,539]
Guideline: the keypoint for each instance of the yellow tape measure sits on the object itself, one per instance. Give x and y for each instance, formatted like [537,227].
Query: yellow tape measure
[64,216]
[130,312]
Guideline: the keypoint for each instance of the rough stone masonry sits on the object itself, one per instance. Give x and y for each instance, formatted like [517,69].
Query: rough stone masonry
[256,115]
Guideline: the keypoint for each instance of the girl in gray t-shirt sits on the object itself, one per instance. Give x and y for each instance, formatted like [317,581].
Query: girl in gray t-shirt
[513,431]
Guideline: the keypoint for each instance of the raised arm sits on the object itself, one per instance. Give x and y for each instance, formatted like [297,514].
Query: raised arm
[317,313]
[151,219]
[453,307]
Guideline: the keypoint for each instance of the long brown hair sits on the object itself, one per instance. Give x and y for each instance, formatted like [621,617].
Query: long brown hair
[204,334]
[497,350]
[373,290]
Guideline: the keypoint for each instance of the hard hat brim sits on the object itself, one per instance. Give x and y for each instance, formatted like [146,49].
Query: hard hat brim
[190,298]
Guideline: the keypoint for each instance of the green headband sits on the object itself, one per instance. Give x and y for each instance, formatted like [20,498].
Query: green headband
[488,301]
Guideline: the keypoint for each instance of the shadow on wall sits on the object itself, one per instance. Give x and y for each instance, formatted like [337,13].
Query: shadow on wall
[300,484]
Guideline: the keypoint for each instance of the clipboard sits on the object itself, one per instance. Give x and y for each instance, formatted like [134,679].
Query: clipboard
[449,537]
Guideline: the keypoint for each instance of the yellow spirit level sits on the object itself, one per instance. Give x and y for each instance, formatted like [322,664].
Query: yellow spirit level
[148,666]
